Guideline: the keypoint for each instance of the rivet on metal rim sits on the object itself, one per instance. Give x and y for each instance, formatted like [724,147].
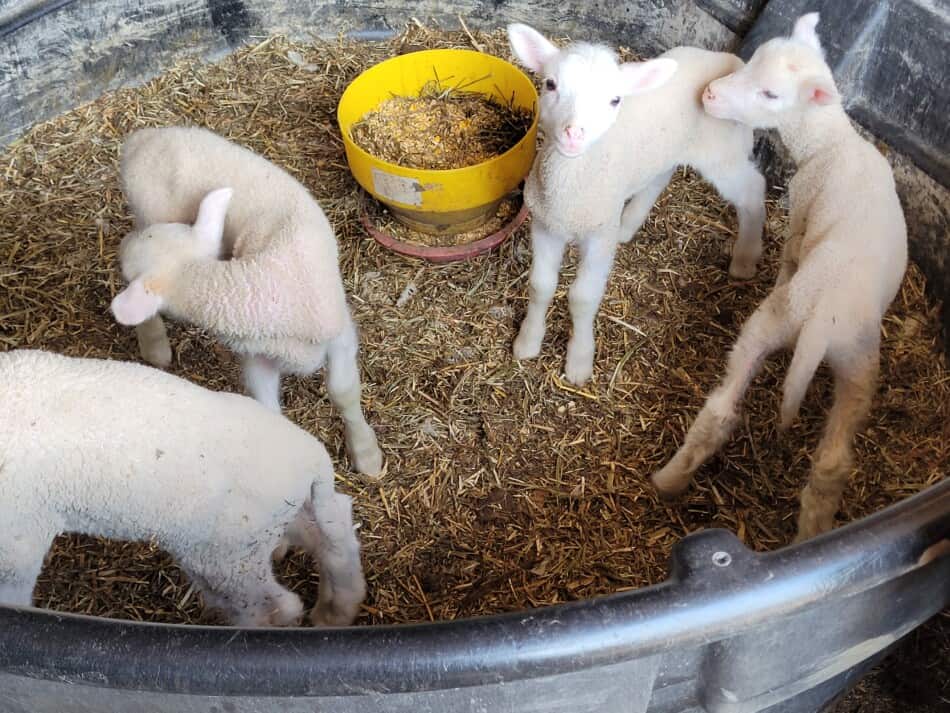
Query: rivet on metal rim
[721,559]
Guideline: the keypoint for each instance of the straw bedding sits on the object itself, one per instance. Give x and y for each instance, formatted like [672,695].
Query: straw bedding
[506,487]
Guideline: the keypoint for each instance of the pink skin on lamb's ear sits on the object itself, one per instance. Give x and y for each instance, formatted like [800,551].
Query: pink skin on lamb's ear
[531,48]
[639,77]
[209,226]
[135,304]
[820,92]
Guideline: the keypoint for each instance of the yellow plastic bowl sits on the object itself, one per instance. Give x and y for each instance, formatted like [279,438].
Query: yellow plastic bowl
[447,201]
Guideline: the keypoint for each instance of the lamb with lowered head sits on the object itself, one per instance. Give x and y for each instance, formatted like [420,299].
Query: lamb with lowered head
[259,269]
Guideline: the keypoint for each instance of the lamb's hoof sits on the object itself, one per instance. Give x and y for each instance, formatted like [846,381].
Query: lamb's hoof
[365,454]
[283,547]
[526,347]
[669,485]
[579,366]
[578,374]
[160,356]
[809,527]
[288,611]
[333,614]
[369,462]
[742,269]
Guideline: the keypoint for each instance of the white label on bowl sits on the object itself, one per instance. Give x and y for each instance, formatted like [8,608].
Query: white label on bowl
[398,189]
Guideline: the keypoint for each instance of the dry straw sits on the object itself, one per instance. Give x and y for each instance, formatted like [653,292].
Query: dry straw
[506,487]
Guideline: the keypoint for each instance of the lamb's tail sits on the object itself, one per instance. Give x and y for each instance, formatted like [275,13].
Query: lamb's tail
[810,349]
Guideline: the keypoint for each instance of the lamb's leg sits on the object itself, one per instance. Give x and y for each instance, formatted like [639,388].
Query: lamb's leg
[763,333]
[21,559]
[343,386]
[547,252]
[789,264]
[855,384]
[241,585]
[640,205]
[596,260]
[743,186]
[324,528]
[153,342]
[262,380]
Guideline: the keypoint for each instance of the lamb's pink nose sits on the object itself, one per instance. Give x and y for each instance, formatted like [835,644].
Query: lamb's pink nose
[709,95]
[574,134]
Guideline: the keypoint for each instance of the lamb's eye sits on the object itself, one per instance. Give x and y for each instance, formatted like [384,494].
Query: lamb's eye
[615,101]
[769,95]
[550,85]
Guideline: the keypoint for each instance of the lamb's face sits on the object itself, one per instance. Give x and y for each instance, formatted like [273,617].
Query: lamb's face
[150,258]
[159,249]
[580,97]
[583,86]
[784,78]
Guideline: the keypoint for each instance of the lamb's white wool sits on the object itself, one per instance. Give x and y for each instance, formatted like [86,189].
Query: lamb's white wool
[614,133]
[228,241]
[126,451]
[841,266]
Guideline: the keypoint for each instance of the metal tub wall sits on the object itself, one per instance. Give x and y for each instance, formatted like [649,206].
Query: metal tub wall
[731,631]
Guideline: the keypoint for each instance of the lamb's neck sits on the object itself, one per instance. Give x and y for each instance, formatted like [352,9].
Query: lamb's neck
[815,132]
[557,171]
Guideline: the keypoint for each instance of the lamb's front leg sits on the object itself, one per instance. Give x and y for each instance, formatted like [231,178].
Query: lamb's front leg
[262,380]
[596,260]
[343,386]
[547,252]
[153,342]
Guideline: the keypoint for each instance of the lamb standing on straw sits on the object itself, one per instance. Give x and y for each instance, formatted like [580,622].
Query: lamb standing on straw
[262,275]
[123,450]
[841,267]
[607,156]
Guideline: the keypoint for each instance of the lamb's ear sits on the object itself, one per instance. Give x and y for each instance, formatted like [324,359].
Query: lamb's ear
[820,91]
[804,31]
[135,304]
[639,77]
[531,48]
[209,226]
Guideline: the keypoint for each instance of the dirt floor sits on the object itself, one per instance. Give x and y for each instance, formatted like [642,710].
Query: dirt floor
[505,486]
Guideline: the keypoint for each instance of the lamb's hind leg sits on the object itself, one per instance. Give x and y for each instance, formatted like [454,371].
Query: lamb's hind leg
[21,559]
[324,529]
[640,205]
[242,586]
[153,342]
[742,185]
[855,384]
[764,332]
[343,386]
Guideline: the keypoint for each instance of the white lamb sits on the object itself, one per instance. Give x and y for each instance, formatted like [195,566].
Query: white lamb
[841,267]
[608,155]
[126,451]
[262,275]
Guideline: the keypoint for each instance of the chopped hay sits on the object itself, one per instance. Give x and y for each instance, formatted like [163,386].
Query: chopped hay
[446,126]
[506,487]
